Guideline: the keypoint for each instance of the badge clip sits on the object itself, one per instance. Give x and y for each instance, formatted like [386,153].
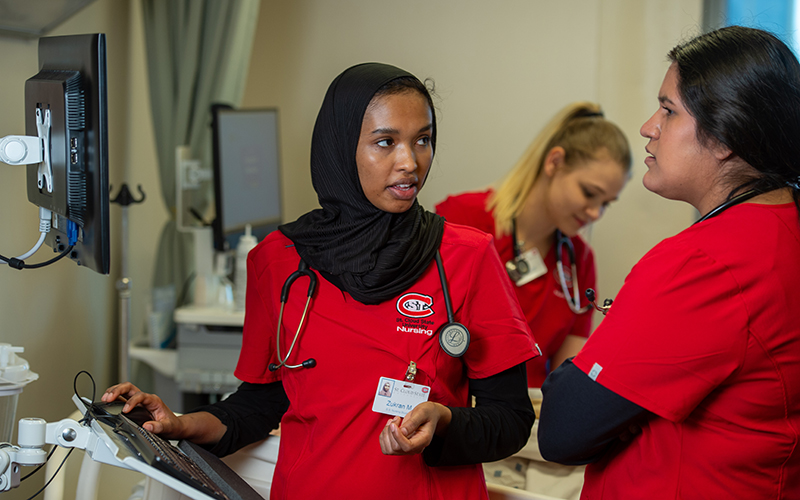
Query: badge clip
[411,373]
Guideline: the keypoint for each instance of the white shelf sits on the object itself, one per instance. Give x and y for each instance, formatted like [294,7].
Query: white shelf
[164,361]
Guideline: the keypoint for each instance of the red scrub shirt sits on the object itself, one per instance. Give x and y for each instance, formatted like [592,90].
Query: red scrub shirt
[542,300]
[705,334]
[329,435]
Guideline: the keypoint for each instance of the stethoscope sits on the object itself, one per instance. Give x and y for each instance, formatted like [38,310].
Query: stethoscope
[741,198]
[519,267]
[574,302]
[453,337]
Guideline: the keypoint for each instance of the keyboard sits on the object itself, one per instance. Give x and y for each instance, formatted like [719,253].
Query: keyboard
[155,451]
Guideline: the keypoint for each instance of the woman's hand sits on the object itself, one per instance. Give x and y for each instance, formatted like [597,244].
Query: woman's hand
[165,423]
[412,434]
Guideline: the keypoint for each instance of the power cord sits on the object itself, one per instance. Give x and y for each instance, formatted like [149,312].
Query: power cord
[20,264]
[53,476]
[45,220]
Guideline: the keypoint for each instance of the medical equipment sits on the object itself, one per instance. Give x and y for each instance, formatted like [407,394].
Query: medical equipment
[453,337]
[113,438]
[302,270]
[591,295]
[740,198]
[519,267]
[574,302]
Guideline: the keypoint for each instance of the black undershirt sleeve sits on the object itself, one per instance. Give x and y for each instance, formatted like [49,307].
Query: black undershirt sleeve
[250,414]
[580,419]
[498,426]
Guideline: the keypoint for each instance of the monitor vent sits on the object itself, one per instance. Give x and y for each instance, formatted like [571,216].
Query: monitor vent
[76,103]
[76,197]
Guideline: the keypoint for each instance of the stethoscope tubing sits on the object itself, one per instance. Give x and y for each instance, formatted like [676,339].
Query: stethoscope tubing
[303,270]
[574,299]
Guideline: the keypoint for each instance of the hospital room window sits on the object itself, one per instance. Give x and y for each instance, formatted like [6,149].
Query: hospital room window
[781,17]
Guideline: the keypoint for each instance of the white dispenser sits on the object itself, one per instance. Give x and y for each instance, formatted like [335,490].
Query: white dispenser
[246,243]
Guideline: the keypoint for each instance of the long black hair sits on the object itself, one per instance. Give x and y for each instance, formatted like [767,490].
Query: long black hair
[742,86]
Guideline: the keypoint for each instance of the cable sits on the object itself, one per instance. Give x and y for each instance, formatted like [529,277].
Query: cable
[75,383]
[18,264]
[53,476]
[45,217]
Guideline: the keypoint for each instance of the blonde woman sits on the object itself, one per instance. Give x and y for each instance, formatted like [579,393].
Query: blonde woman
[565,180]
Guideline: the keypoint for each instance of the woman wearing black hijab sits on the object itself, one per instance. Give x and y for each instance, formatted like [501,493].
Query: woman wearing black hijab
[317,365]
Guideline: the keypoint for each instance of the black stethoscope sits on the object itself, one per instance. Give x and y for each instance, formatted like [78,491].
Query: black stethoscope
[519,267]
[453,336]
[741,198]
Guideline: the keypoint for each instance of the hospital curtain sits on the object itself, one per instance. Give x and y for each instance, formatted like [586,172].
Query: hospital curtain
[198,52]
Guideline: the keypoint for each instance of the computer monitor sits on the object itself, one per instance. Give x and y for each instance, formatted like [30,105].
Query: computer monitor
[247,187]
[71,88]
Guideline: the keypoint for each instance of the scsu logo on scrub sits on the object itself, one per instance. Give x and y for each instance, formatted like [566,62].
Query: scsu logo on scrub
[415,305]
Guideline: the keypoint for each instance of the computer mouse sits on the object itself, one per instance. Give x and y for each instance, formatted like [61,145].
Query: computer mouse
[139,414]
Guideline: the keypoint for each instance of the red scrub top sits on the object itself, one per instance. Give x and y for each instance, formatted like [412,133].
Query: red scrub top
[329,435]
[705,333]
[542,300]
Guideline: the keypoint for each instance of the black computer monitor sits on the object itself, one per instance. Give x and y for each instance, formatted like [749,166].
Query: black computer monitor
[247,187]
[71,86]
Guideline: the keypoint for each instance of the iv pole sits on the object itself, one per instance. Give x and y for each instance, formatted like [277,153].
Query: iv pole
[124,199]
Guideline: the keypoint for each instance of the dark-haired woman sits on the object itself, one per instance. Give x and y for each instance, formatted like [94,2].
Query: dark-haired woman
[690,388]
[383,267]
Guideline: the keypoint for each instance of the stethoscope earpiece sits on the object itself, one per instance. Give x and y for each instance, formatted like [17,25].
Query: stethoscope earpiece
[592,296]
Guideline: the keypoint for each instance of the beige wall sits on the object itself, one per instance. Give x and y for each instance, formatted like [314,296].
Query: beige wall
[501,70]
[64,316]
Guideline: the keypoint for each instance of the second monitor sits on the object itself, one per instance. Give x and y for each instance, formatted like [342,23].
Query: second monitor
[246,173]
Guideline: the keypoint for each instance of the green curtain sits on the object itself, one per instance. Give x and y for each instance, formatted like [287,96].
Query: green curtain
[198,52]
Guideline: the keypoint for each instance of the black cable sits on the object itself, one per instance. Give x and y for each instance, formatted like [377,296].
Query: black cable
[75,390]
[20,264]
[53,476]
[34,471]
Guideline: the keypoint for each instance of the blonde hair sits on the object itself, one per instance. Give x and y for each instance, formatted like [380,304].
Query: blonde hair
[582,131]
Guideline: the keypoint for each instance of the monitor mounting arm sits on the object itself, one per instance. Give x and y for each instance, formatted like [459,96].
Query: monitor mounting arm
[26,150]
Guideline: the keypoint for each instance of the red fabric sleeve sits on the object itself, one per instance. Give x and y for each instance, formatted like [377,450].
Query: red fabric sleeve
[260,321]
[672,335]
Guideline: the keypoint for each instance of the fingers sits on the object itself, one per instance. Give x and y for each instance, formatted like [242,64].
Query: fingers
[164,420]
[123,390]
[406,436]
[392,440]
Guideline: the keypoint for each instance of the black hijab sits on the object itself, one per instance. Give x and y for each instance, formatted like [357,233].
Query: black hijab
[371,254]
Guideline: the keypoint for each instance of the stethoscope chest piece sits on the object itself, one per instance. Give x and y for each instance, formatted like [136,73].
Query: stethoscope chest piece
[454,339]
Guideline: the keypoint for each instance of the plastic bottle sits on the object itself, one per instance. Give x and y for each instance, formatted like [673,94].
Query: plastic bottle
[224,285]
[246,243]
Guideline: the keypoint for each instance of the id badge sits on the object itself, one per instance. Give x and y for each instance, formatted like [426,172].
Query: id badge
[398,397]
[534,267]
